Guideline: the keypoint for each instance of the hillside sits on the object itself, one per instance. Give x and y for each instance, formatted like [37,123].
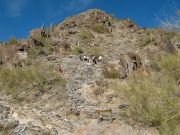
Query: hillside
[92,74]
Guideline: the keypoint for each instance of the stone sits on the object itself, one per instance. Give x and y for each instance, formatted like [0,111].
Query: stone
[22,55]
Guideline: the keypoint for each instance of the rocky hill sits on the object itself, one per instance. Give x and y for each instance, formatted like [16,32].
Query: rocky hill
[75,78]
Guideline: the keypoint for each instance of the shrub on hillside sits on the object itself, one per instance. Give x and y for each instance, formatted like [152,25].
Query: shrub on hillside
[171,65]
[99,28]
[86,35]
[12,41]
[154,99]
[26,80]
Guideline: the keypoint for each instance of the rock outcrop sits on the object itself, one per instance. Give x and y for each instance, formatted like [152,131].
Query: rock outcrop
[87,51]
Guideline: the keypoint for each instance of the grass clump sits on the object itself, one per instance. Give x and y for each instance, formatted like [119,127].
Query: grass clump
[43,46]
[12,41]
[33,79]
[111,74]
[95,51]
[154,99]
[171,65]
[77,50]
[86,35]
[99,28]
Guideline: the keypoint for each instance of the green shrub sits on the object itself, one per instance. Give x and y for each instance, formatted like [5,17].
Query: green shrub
[77,50]
[99,28]
[113,74]
[45,48]
[86,35]
[153,100]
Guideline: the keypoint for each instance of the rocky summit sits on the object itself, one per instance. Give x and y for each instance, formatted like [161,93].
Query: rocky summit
[92,74]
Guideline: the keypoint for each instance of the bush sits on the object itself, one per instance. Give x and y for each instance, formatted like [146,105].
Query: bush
[95,51]
[113,74]
[12,41]
[171,65]
[153,100]
[42,46]
[19,80]
[77,50]
[99,28]
[86,35]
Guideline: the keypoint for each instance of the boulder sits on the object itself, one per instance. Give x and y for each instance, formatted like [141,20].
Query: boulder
[114,70]
[130,61]
[22,55]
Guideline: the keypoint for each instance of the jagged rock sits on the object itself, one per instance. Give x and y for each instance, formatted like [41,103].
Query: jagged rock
[130,61]
[115,67]
[129,24]
[87,19]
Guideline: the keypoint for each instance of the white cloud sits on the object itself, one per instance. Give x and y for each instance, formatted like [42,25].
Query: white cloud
[14,8]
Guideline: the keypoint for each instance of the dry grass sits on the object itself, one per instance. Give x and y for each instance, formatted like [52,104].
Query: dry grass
[77,50]
[86,35]
[95,51]
[36,78]
[113,74]
[42,46]
[154,100]
[171,65]
[99,28]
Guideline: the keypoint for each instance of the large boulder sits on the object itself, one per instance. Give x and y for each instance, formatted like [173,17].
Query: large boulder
[130,61]
[121,68]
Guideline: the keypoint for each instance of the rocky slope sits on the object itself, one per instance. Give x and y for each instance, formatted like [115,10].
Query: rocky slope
[82,50]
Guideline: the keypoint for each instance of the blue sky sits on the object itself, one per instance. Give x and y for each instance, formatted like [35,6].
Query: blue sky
[19,17]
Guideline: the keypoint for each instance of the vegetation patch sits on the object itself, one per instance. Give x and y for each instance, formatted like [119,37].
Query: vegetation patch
[154,99]
[33,79]
[95,51]
[171,65]
[77,50]
[99,28]
[12,41]
[112,74]
[42,46]
[86,35]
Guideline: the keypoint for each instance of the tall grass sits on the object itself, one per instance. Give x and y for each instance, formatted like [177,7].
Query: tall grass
[19,80]
[155,99]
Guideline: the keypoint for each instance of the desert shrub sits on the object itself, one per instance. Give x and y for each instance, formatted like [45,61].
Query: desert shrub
[112,74]
[86,35]
[153,100]
[95,51]
[149,38]
[12,41]
[77,50]
[43,46]
[19,80]
[171,65]
[99,28]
